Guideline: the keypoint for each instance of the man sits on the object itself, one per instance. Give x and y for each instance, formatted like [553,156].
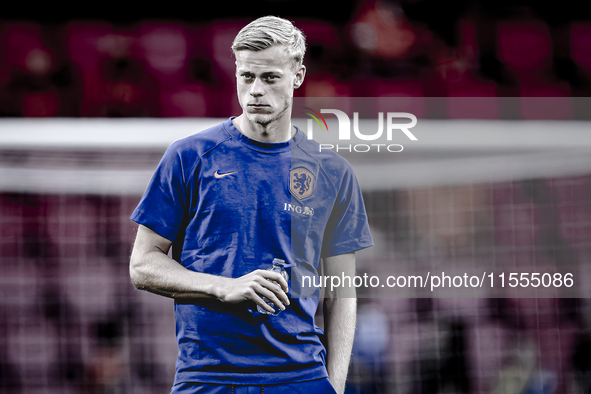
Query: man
[229,200]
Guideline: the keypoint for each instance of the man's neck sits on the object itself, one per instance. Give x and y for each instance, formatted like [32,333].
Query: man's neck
[275,132]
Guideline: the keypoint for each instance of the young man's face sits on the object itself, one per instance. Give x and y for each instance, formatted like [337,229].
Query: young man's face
[265,81]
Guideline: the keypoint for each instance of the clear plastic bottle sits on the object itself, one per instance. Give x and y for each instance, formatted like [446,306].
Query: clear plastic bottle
[278,266]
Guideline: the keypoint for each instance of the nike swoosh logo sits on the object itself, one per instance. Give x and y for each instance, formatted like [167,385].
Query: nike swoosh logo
[223,175]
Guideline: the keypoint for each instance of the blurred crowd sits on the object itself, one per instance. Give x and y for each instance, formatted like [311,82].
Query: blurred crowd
[407,48]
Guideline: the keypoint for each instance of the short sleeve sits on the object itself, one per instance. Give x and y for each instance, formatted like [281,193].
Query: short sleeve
[164,204]
[347,229]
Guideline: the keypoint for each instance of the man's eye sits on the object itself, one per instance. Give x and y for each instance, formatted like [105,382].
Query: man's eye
[271,77]
[247,76]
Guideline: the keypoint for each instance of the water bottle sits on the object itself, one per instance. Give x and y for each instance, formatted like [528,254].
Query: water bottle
[278,266]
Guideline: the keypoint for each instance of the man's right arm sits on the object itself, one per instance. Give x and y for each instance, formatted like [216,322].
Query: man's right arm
[153,270]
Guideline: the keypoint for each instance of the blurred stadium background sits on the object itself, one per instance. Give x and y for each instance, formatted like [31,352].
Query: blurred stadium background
[502,90]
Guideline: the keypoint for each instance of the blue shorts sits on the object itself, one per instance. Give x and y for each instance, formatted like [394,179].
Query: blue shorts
[321,386]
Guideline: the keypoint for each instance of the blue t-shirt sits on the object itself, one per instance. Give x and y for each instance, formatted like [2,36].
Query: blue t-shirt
[230,205]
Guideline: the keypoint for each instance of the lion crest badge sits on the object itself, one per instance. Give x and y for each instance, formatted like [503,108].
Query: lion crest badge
[301,182]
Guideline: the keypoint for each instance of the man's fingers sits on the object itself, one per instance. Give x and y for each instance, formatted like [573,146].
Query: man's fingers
[262,291]
[277,290]
[260,302]
[258,284]
[276,277]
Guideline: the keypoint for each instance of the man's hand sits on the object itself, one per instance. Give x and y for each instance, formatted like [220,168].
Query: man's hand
[151,269]
[252,287]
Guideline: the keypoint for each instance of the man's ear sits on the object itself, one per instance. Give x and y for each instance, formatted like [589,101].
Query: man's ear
[299,76]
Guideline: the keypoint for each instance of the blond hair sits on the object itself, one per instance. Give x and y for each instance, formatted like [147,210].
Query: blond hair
[268,31]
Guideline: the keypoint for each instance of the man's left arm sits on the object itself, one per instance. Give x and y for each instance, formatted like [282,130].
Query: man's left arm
[340,311]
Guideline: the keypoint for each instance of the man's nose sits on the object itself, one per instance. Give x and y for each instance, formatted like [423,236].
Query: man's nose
[257,88]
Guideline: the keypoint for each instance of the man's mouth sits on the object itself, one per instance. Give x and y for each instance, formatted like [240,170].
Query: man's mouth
[259,107]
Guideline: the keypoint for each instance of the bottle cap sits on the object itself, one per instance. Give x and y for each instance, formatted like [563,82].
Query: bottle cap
[281,262]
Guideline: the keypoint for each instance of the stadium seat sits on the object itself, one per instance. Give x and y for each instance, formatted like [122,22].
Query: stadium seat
[221,35]
[323,45]
[581,45]
[83,46]
[191,100]
[524,47]
[83,42]
[164,48]
[19,43]
[40,104]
